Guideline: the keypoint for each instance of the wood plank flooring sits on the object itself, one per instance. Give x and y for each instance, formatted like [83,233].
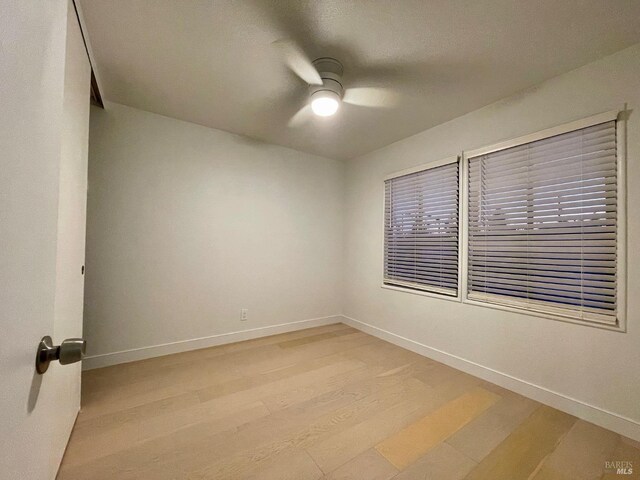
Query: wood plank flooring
[323,403]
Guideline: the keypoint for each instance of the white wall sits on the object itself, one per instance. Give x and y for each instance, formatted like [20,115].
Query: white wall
[598,368]
[187,225]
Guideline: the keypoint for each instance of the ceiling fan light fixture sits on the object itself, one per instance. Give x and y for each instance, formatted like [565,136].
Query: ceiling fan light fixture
[325,103]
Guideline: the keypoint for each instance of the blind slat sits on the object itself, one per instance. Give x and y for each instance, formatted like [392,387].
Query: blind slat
[574,187]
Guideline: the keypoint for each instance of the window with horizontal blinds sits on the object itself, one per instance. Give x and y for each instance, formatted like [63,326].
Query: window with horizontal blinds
[421,230]
[542,221]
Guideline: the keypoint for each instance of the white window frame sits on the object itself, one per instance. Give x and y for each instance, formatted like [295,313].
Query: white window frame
[420,168]
[550,312]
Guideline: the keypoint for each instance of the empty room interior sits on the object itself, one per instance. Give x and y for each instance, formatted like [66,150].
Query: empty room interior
[319,239]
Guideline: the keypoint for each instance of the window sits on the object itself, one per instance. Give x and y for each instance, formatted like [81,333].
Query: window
[421,229]
[543,224]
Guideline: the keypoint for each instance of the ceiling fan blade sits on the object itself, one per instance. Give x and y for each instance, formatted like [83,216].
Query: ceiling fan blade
[297,61]
[371,97]
[301,117]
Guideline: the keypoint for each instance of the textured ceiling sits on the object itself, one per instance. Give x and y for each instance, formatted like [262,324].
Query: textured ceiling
[212,62]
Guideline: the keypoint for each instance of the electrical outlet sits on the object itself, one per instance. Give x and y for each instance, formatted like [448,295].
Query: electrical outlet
[244,314]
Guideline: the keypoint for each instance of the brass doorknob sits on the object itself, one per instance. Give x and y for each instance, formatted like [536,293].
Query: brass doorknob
[71,350]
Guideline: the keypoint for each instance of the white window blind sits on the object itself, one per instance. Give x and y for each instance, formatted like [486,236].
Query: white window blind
[421,230]
[543,225]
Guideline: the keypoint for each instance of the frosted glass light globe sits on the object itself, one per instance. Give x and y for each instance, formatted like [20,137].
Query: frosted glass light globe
[325,103]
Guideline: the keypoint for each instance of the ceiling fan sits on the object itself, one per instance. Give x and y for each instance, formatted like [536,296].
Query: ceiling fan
[326,90]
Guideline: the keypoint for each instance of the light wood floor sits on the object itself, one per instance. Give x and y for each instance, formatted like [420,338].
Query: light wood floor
[328,402]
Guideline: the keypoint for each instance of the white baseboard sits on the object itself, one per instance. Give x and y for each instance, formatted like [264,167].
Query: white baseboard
[599,416]
[125,356]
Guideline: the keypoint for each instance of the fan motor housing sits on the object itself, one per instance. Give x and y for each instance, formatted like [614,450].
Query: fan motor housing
[330,71]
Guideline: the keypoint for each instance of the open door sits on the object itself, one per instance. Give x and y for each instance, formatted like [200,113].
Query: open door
[45,81]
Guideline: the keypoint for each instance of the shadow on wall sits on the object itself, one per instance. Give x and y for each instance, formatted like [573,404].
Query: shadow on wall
[34,391]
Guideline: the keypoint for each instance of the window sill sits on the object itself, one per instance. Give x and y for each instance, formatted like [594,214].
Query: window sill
[619,327]
[422,293]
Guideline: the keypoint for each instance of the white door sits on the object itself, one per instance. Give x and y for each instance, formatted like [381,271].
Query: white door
[44,117]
